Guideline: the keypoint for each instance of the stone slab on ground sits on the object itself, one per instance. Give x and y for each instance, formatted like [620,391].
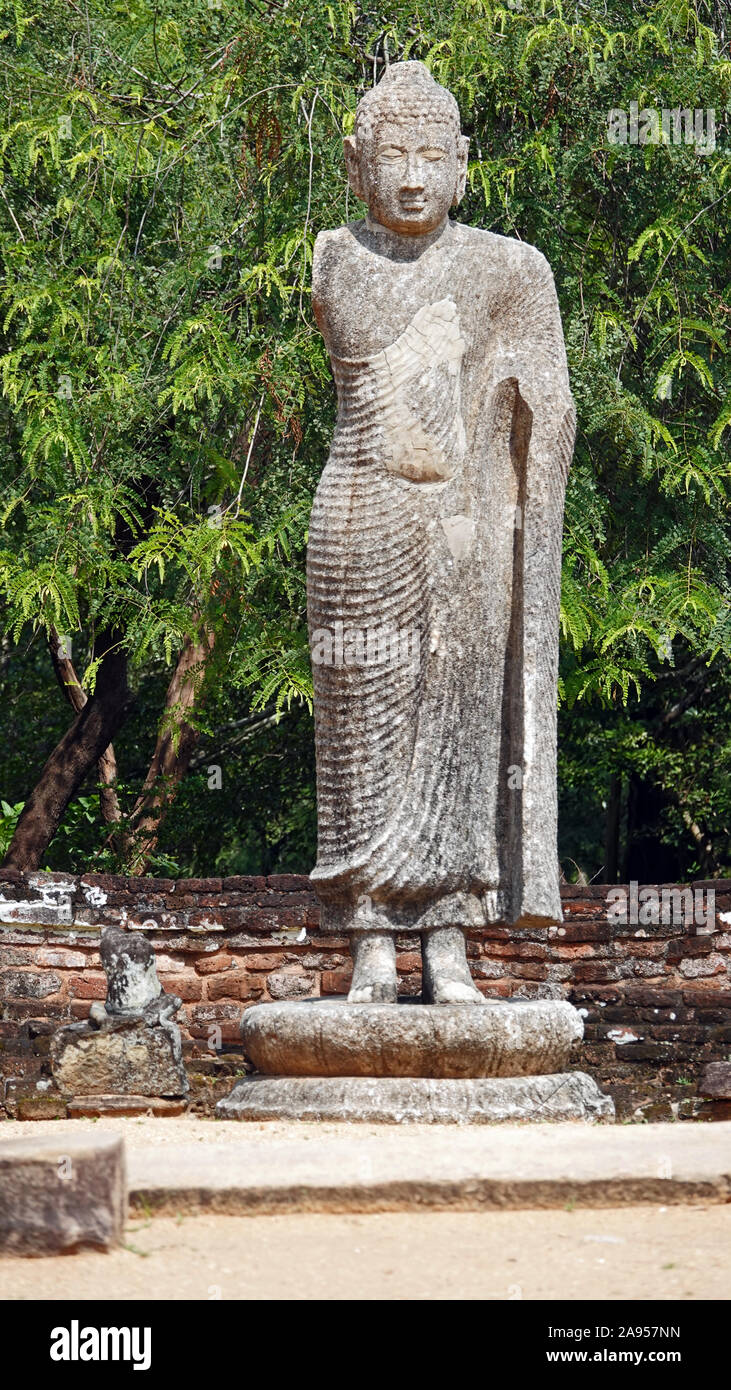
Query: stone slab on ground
[61,1191]
[92,1106]
[417,1099]
[187,1164]
[330,1037]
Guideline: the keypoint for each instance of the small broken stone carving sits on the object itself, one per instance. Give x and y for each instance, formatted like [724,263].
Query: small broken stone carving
[129,965]
[439,513]
[130,1045]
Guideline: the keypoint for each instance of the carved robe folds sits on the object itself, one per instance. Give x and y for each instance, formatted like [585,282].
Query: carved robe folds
[434,570]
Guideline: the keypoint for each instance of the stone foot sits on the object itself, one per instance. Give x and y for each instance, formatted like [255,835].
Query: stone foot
[374,968]
[446,975]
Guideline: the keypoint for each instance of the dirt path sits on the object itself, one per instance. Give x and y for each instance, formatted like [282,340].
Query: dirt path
[634,1252]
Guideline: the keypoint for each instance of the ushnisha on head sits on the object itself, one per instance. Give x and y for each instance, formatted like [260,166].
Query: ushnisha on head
[407,159]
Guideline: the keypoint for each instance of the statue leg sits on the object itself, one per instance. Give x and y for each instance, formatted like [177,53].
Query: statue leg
[446,977]
[374,968]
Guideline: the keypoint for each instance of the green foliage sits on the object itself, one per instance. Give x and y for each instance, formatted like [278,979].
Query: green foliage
[166,398]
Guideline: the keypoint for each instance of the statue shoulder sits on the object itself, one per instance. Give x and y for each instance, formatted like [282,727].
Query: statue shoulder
[331,248]
[332,245]
[507,253]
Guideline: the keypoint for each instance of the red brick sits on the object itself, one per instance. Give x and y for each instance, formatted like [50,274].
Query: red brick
[582,931]
[227,1017]
[496,989]
[408,960]
[586,891]
[244,883]
[267,963]
[79,1008]
[187,987]
[225,986]
[88,986]
[335,981]
[520,950]
[289,883]
[653,997]
[529,971]
[572,950]
[596,971]
[28,984]
[652,950]
[234,985]
[409,985]
[213,965]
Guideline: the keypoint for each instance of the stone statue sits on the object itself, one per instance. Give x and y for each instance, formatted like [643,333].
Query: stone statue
[434,558]
[130,1045]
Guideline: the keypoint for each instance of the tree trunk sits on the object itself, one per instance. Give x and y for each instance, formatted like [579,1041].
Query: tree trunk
[73,757]
[176,741]
[68,680]
[611,843]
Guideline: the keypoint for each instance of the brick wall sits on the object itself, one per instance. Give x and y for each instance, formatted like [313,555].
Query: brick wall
[656,997]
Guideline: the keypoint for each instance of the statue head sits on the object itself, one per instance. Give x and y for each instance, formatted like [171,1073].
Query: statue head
[407,159]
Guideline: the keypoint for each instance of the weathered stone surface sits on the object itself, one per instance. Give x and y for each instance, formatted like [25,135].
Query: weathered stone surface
[130,1045]
[519,1037]
[715,1081]
[447,351]
[129,963]
[84,1107]
[41,1107]
[418,1100]
[127,1056]
[434,553]
[59,1194]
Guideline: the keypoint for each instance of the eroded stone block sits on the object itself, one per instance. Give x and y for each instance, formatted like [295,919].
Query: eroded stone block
[59,1194]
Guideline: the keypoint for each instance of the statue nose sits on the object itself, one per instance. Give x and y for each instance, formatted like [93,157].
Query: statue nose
[414,174]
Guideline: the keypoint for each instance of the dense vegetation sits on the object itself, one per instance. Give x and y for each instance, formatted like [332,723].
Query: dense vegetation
[166,408]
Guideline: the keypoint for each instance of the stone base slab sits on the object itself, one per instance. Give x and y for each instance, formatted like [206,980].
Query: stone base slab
[418,1100]
[61,1192]
[511,1037]
[82,1107]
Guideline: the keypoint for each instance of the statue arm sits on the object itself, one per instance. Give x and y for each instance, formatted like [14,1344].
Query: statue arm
[544,385]
[532,421]
[324,258]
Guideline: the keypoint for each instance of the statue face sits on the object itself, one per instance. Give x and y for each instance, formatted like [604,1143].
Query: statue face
[409,173]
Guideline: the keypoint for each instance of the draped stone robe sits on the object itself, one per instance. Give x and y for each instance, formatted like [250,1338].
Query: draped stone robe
[438,518]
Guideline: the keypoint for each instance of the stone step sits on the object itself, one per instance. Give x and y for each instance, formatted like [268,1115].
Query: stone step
[190,1165]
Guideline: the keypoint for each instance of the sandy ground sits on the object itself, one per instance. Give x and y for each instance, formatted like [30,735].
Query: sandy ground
[629,1253]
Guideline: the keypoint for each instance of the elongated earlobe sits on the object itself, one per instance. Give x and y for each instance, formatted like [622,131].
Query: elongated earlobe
[352,164]
[463,146]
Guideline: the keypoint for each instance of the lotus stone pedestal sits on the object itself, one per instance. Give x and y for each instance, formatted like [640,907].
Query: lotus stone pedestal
[414,1063]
